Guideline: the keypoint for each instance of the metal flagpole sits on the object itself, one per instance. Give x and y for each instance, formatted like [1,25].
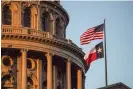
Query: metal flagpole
[106,77]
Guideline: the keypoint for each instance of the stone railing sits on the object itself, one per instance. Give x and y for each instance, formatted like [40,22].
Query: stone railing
[35,33]
[24,31]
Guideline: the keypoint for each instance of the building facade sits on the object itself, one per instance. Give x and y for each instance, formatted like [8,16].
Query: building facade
[35,53]
[118,85]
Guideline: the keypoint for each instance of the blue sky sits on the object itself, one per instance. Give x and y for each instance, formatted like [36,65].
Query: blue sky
[119,35]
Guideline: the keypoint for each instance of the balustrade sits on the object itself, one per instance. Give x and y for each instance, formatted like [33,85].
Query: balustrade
[13,30]
[33,32]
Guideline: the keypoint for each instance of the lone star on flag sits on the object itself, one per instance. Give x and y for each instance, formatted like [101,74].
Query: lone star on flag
[99,50]
[95,53]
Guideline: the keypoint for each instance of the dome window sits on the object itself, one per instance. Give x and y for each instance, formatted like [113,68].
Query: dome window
[7,15]
[27,17]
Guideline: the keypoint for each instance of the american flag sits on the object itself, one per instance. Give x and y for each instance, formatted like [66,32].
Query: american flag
[92,34]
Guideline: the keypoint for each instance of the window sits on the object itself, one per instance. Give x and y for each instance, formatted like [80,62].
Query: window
[27,17]
[45,21]
[7,61]
[31,65]
[57,30]
[7,15]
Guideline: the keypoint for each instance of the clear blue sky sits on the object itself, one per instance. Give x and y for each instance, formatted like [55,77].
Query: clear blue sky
[119,30]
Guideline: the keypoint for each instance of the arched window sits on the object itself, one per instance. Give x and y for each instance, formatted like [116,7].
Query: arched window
[6,15]
[27,17]
[59,27]
[45,21]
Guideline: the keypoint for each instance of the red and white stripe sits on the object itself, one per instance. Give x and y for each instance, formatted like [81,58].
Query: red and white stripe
[90,56]
[98,35]
[89,35]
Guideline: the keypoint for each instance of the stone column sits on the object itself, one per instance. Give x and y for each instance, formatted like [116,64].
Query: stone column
[39,73]
[24,68]
[79,79]
[68,74]
[52,24]
[54,77]
[53,27]
[49,70]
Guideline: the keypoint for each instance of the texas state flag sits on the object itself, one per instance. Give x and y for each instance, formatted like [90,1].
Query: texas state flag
[94,54]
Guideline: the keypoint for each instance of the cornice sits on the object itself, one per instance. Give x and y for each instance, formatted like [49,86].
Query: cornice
[22,44]
[31,35]
[38,36]
[37,39]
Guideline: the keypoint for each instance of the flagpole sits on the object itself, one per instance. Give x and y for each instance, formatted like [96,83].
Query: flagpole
[106,77]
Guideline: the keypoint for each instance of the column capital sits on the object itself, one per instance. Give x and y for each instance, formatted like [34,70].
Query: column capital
[68,60]
[24,50]
[49,55]
[79,70]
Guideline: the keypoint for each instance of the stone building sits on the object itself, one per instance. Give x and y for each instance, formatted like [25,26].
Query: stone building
[119,85]
[35,53]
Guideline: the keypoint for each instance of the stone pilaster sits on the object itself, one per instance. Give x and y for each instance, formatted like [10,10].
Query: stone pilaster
[24,68]
[52,24]
[68,74]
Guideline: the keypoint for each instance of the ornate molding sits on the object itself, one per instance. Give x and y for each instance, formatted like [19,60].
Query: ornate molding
[39,36]
[49,55]
[24,50]
[45,48]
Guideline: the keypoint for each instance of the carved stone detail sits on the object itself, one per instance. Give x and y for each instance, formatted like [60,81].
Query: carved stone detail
[44,36]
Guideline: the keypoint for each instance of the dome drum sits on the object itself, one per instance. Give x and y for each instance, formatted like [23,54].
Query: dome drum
[43,16]
[35,51]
